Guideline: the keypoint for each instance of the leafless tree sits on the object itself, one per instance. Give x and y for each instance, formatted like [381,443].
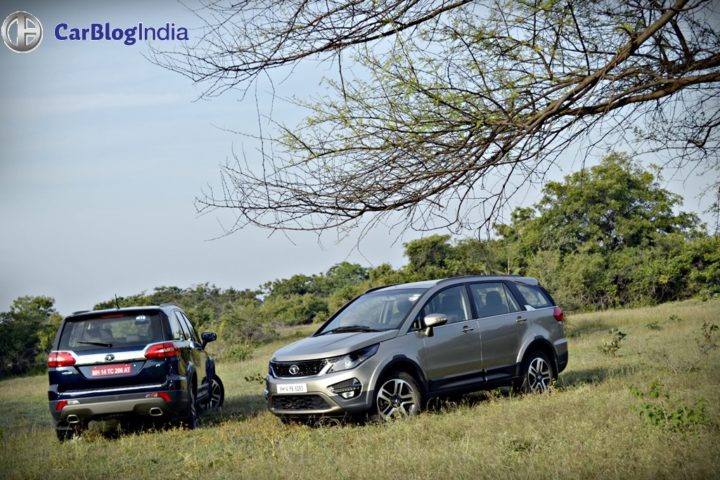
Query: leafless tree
[460,101]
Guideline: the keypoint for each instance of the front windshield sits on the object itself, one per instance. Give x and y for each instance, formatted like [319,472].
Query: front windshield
[375,311]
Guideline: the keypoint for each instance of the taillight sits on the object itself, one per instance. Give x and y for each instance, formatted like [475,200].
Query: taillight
[162,350]
[558,314]
[60,359]
[60,405]
[164,395]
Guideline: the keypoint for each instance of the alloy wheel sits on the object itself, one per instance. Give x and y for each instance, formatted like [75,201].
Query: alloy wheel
[397,398]
[539,375]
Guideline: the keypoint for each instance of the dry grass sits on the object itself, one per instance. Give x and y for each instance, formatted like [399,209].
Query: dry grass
[588,426]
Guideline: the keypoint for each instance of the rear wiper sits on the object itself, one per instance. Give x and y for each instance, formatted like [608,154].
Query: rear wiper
[99,344]
[351,328]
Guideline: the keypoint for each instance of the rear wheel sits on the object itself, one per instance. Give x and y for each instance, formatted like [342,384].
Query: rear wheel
[397,396]
[65,431]
[537,373]
[189,418]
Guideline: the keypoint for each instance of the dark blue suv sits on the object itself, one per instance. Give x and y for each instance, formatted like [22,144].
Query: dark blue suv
[146,361]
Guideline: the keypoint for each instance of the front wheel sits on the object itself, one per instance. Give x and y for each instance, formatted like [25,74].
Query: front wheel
[216,395]
[537,374]
[398,396]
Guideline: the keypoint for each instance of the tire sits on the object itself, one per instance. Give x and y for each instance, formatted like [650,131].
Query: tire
[537,373]
[190,416]
[397,396]
[67,432]
[216,396]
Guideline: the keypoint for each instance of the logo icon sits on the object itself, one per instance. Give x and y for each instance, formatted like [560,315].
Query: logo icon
[109,357]
[21,32]
[294,370]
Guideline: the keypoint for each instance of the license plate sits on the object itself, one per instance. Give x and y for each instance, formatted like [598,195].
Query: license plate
[292,388]
[110,370]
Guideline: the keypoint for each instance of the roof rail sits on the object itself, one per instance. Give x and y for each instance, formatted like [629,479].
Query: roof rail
[448,279]
[169,304]
[378,288]
[524,279]
[78,312]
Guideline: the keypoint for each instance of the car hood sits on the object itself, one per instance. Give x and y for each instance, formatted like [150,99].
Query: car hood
[330,345]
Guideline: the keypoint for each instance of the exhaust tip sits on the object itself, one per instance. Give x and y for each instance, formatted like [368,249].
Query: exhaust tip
[73,419]
[155,412]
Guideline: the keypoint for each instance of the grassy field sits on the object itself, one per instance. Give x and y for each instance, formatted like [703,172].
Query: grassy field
[589,425]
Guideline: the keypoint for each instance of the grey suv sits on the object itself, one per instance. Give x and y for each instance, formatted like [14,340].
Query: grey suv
[391,349]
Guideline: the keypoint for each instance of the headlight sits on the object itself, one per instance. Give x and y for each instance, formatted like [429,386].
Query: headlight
[351,360]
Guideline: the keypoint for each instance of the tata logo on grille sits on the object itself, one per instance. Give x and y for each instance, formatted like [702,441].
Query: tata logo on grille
[109,357]
[294,370]
[21,32]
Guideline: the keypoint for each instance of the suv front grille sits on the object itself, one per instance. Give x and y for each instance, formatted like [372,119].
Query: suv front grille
[299,402]
[302,369]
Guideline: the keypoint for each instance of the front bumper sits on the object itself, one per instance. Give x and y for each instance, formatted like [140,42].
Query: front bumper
[319,399]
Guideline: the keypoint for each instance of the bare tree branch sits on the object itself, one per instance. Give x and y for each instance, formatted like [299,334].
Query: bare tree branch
[461,102]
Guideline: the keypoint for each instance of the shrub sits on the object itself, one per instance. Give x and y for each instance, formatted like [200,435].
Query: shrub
[658,410]
[612,345]
[707,341]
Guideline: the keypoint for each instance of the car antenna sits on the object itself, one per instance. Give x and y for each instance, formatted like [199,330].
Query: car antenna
[117,302]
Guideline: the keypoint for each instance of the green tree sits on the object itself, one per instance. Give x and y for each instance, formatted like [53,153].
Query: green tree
[609,236]
[428,256]
[26,333]
[611,206]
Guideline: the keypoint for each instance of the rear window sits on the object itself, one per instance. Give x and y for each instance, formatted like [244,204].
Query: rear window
[534,296]
[492,299]
[112,331]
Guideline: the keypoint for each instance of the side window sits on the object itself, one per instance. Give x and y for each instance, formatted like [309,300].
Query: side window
[187,325]
[533,296]
[452,302]
[178,327]
[492,299]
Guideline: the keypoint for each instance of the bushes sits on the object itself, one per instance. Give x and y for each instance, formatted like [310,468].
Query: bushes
[26,334]
[657,409]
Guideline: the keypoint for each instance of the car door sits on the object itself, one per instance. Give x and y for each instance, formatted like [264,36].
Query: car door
[502,324]
[197,353]
[451,357]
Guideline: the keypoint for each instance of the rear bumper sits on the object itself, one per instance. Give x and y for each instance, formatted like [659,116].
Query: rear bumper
[561,348]
[81,410]
[562,361]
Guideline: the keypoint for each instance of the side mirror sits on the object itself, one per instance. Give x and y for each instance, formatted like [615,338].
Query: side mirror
[433,320]
[208,337]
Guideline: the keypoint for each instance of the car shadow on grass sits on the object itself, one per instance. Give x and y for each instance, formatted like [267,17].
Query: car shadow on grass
[236,408]
[592,376]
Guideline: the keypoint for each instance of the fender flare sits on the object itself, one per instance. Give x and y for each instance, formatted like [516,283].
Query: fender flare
[406,364]
[540,343]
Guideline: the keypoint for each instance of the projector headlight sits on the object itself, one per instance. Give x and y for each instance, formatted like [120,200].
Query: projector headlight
[352,360]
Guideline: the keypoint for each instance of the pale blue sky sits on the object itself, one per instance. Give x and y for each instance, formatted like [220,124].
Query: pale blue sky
[103,154]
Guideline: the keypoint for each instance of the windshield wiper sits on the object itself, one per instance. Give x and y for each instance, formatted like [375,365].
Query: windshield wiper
[99,344]
[351,328]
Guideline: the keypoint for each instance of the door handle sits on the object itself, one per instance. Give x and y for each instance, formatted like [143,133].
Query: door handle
[520,319]
[467,329]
